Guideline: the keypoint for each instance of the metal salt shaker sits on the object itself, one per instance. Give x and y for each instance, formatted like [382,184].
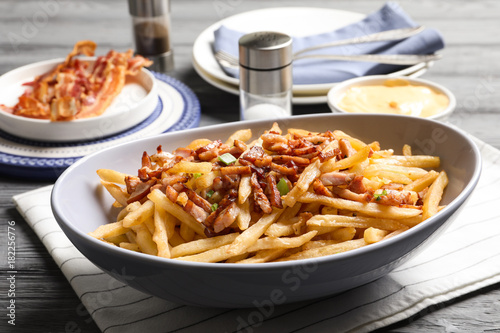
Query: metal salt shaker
[265,75]
[151,28]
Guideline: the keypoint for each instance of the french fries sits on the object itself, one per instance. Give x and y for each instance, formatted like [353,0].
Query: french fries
[286,195]
[434,195]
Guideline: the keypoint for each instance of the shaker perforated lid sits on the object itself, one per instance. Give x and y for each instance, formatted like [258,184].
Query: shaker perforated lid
[265,50]
[148,8]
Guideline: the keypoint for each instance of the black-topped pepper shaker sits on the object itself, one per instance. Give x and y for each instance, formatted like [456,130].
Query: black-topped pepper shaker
[151,28]
[265,75]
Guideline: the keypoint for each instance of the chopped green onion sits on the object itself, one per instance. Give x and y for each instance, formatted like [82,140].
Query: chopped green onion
[283,187]
[378,195]
[214,206]
[196,175]
[209,193]
[227,158]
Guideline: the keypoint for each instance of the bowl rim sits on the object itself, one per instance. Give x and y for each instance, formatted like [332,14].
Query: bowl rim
[156,261]
[104,116]
[333,93]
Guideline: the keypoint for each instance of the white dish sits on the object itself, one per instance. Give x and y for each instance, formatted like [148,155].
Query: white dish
[177,108]
[320,99]
[312,21]
[336,94]
[297,99]
[80,205]
[134,104]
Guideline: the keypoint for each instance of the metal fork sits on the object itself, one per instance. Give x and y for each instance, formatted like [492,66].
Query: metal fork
[227,60]
[388,35]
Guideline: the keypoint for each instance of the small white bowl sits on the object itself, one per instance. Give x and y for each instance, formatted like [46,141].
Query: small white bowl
[133,105]
[336,94]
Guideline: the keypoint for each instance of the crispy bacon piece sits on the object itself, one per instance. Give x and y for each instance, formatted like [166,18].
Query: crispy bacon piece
[109,76]
[258,194]
[304,217]
[173,179]
[131,182]
[284,170]
[135,64]
[226,182]
[147,171]
[240,145]
[257,156]
[236,150]
[274,193]
[336,178]
[162,158]
[171,193]
[282,159]
[198,200]
[146,160]
[210,151]
[208,147]
[218,184]
[350,195]
[195,211]
[169,163]
[231,181]
[226,217]
[346,148]
[74,89]
[299,143]
[357,185]
[141,190]
[228,199]
[235,170]
[185,153]
[321,189]
[393,186]
[421,196]
[158,186]
[306,151]
[317,139]
[29,107]
[396,198]
[274,142]
[325,156]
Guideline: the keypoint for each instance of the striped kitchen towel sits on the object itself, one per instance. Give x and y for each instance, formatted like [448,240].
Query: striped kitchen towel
[466,258]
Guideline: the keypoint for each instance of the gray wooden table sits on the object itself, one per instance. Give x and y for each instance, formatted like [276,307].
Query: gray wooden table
[35,30]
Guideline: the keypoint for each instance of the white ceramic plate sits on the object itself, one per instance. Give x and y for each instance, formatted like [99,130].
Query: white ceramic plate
[312,21]
[297,99]
[177,108]
[235,89]
[133,105]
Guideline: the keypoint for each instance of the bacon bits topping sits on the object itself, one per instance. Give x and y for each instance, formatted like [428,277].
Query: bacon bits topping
[208,182]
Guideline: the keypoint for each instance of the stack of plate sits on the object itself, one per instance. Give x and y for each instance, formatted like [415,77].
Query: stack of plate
[149,104]
[285,20]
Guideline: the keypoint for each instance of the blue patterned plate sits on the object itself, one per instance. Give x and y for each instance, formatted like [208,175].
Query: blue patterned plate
[178,108]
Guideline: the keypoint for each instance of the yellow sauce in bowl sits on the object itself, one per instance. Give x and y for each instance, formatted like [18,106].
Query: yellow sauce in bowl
[395,96]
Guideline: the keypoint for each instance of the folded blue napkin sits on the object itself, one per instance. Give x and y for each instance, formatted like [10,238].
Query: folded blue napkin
[314,71]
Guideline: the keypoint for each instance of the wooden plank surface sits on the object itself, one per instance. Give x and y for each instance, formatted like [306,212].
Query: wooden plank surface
[470,68]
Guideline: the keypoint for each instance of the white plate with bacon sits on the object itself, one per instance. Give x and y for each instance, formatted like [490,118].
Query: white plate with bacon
[77,98]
